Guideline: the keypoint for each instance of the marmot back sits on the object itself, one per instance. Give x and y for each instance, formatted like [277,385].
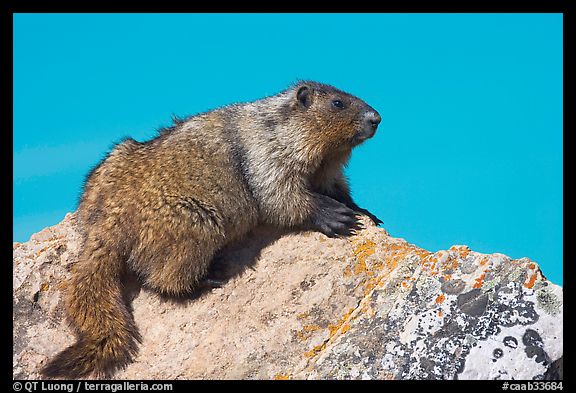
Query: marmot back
[164,207]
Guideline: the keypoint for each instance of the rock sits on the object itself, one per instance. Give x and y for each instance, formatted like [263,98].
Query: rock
[303,306]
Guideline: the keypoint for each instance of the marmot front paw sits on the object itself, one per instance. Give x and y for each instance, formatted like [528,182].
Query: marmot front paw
[333,218]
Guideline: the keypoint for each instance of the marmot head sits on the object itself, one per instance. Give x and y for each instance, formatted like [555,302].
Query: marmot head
[331,120]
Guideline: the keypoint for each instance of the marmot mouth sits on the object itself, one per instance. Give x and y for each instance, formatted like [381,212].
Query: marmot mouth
[362,136]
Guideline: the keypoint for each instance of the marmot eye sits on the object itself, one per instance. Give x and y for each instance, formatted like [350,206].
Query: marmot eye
[338,104]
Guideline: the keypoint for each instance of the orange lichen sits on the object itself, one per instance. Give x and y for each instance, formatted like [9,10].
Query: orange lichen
[372,269]
[391,262]
[441,262]
[426,259]
[530,283]
[281,377]
[376,273]
[378,266]
[307,331]
[302,336]
[311,353]
[440,313]
[422,254]
[44,287]
[361,267]
[364,250]
[41,250]
[399,251]
[335,327]
[451,264]
[463,251]
[341,326]
[370,285]
[440,299]
[483,261]
[347,271]
[479,281]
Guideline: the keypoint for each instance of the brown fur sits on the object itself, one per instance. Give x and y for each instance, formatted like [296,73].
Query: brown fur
[163,208]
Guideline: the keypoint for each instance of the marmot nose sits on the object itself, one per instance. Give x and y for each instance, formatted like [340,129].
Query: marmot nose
[373,118]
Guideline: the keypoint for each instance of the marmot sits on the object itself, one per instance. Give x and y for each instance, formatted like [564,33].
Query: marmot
[164,207]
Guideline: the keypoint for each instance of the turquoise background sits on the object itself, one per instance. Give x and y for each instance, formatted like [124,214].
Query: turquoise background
[469,150]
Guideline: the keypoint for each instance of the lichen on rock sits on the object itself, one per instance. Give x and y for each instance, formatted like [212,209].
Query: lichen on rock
[303,306]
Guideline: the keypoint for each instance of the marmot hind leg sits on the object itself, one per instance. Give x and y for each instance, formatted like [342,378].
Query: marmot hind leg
[176,269]
[176,259]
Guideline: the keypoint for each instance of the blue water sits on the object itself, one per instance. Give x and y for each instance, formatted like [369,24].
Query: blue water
[469,150]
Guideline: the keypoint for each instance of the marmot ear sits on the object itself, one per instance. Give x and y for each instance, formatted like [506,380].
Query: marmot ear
[304,96]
